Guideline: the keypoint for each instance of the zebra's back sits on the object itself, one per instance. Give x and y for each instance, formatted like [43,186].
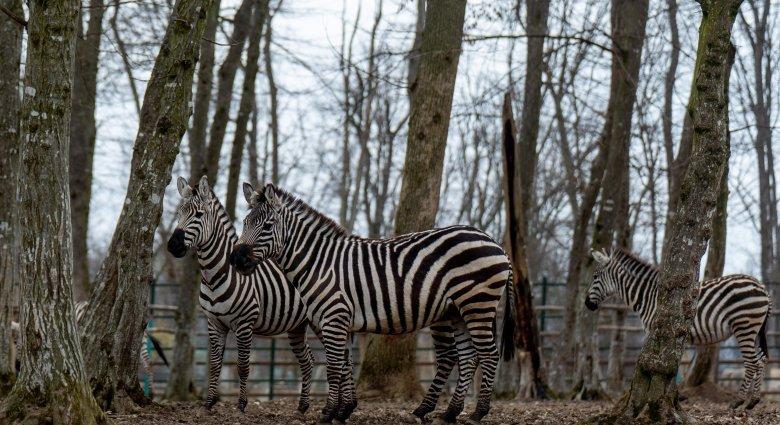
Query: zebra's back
[728,305]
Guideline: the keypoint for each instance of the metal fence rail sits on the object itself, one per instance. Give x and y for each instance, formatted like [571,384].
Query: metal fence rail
[274,369]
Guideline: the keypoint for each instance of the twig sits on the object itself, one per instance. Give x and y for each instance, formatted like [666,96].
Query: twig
[13,16]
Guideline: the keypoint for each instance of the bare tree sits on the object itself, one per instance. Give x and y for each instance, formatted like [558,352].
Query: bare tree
[11,52]
[82,141]
[389,361]
[58,392]
[114,323]
[273,97]
[653,386]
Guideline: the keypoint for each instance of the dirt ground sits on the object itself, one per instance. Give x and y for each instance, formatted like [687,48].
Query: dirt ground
[386,413]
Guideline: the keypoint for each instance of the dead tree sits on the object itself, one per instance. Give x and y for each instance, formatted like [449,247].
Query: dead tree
[246,104]
[227,76]
[628,31]
[115,321]
[11,52]
[52,385]
[180,381]
[529,358]
[652,387]
[82,141]
[389,361]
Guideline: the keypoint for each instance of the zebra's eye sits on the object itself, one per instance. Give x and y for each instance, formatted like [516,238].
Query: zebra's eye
[199,214]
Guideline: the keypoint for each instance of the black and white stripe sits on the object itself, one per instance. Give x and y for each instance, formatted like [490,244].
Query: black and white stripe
[450,279]
[261,303]
[731,305]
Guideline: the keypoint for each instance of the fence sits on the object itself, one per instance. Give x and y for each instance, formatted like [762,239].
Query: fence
[274,370]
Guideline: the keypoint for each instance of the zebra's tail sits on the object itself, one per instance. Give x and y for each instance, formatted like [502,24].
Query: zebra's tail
[510,321]
[762,336]
[158,348]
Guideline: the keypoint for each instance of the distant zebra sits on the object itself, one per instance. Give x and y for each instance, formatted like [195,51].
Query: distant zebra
[450,279]
[145,354]
[731,305]
[262,303]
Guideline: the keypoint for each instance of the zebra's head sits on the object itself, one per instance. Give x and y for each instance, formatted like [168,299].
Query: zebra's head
[604,284]
[261,238]
[193,212]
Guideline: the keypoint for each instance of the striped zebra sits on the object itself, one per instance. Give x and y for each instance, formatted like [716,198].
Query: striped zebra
[261,303]
[145,354]
[450,279]
[731,305]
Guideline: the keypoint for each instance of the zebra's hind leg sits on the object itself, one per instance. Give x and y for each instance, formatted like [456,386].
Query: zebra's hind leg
[758,378]
[348,397]
[467,364]
[244,346]
[306,363]
[446,357]
[752,356]
[484,342]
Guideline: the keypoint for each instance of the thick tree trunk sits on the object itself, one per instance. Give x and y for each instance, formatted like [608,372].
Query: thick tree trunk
[227,76]
[653,383]
[52,385]
[180,385]
[389,360]
[11,52]
[82,142]
[527,329]
[628,33]
[117,315]
[247,103]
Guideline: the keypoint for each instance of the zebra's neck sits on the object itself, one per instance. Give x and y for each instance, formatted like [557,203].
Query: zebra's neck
[638,285]
[213,252]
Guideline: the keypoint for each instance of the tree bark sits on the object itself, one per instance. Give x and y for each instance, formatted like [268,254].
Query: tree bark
[117,315]
[227,76]
[82,142]
[527,329]
[628,32]
[11,52]
[52,385]
[274,98]
[246,105]
[702,370]
[669,80]
[653,384]
[389,360]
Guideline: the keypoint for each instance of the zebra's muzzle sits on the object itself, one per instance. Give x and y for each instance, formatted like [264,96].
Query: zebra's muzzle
[176,245]
[591,305]
[240,259]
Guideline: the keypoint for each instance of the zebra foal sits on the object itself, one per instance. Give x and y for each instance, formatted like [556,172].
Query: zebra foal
[450,279]
[730,305]
[261,303]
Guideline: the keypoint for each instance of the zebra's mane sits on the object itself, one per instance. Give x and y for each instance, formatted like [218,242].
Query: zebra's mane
[306,211]
[627,259]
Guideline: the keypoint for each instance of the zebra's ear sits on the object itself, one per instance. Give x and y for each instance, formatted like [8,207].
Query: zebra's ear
[204,190]
[184,188]
[600,257]
[248,192]
[272,198]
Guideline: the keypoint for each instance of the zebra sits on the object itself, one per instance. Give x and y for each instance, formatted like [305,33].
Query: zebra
[736,305]
[261,303]
[145,355]
[450,279]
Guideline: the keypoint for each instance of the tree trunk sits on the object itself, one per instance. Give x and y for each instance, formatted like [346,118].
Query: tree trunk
[527,330]
[389,360]
[180,384]
[11,52]
[52,385]
[653,382]
[252,149]
[117,315]
[247,102]
[669,80]
[227,76]
[628,31]
[702,370]
[82,142]
[272,95]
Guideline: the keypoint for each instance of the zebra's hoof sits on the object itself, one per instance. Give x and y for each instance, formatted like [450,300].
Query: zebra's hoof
[302,408]
[752,403]
[736,404]
[325,419]
[242,405]
[210,402]
[411,418]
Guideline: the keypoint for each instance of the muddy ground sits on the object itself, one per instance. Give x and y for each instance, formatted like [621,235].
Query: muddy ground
[386,413]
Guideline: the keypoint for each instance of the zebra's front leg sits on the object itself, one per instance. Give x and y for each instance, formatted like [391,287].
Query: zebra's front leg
[446,357]
[348,397]
[334,338]
[306,363]
[244,346]
[467,364]
[217,336]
